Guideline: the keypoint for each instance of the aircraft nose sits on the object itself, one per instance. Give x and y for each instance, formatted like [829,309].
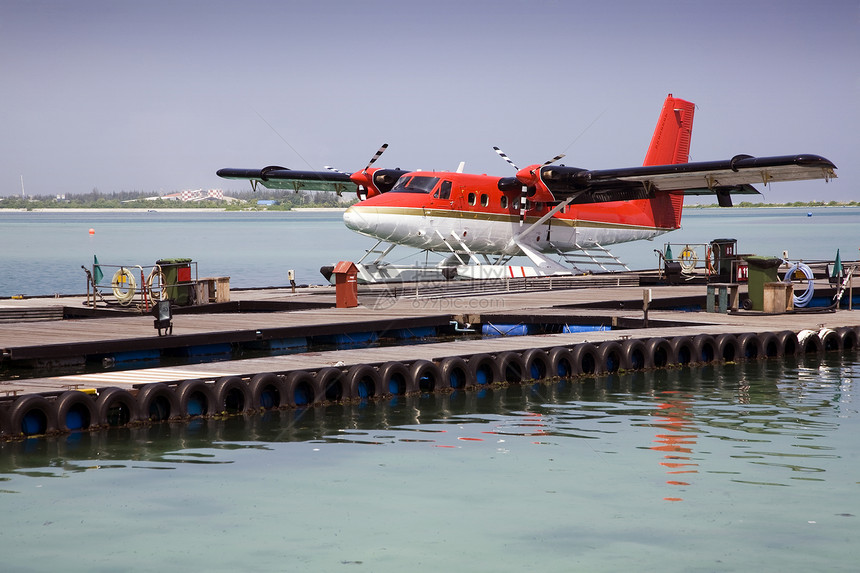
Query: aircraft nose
[359,220]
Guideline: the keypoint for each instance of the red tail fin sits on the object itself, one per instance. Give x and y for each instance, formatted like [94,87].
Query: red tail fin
[671,141]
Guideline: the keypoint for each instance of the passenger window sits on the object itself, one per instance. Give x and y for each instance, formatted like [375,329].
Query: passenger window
[445,190]
[472,198]
[504,201]
[485,200]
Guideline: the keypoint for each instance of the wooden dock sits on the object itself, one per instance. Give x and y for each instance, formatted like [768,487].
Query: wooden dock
[47,342]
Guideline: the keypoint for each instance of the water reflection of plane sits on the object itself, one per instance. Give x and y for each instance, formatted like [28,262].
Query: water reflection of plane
[680,434]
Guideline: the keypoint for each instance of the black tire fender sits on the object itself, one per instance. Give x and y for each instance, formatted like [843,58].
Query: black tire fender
[537,366]
[585,358]
[363,382]
[830,340]
[116,407]
[704,348]
[750,345]
[610,357]
[849,339]
[76,404]
[728,349]
[152,400]
[268,391]
[561,362]
[455,373]
[484,370]
[789,343]
[196,394]
[427,376]
[771,347]
[232,395]
[301,390]
[659,352]
[512,367]
[32,415]
[683,352]
[395,380]
[330,385]
[635,355]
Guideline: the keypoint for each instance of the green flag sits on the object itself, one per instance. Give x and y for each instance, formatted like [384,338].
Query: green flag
[837,266]
[98,275]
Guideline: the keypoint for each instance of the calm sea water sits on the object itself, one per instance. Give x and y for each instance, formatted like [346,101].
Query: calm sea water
[732,468]
[751,467]
[43,251]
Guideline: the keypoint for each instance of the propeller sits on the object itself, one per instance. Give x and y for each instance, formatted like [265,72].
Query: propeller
[527,176]
[376,156]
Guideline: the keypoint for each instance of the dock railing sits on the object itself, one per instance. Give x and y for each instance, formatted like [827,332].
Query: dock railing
[139,286]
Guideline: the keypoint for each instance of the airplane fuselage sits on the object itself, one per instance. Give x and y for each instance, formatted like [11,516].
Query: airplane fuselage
[440,210]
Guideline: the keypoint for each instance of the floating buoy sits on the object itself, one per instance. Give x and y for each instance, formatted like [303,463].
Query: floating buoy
[809,214]
[92,231]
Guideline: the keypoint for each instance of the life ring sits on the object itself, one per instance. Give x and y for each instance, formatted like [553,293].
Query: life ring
[704,348]
[537,365]
[560,362]
[157,403]
[155,284]
[688,259]
[683,352]
[634,355]
[196,398]
[750,346]
[728,349]
[329,384]
[116,407]
[483,369]
[123,285]
[395,379]
[232,395]
[585,358]
[363,382]
[454,373]
[268,391]
[512,368]
[610,357]
[32,415]
[300,389]
[426,376]
[75,411]
[659,352]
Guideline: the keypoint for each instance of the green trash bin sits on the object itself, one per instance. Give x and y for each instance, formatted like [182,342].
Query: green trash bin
[177,280]
[761,270]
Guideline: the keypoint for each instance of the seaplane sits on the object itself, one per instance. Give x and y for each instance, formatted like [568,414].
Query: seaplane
[548,212]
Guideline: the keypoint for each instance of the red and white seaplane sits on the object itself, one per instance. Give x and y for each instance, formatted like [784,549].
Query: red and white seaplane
[545,212]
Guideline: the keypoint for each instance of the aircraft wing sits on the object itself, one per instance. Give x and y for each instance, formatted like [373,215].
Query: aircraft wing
[275,177]
[721,178]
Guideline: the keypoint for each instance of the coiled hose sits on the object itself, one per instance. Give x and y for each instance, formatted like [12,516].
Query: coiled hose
[802,300]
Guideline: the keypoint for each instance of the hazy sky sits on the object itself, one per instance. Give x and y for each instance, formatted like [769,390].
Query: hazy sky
[157,95]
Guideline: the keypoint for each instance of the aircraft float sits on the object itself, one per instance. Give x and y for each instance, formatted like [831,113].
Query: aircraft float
[545,211]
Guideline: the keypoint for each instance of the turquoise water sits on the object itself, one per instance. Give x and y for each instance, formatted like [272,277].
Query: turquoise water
[751,467]
[43,251]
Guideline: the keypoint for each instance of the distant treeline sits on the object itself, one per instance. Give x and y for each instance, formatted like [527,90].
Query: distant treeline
[275,200]
[791,204]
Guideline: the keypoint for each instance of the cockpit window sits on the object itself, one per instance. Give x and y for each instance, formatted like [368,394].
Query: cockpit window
[415,184]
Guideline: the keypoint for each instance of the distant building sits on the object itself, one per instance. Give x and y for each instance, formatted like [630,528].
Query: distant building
[266,202]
